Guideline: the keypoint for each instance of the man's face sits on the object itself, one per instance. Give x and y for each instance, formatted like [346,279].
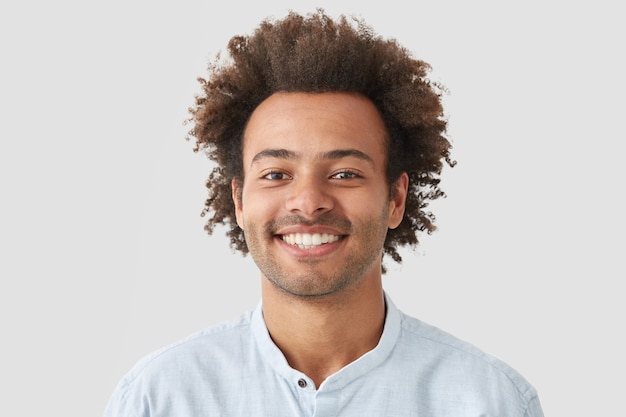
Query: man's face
[315,204]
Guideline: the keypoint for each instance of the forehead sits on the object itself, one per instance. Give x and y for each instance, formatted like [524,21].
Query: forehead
[313,123]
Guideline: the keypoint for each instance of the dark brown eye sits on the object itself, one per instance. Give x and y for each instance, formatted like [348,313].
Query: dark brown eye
[276,176]
[345,175]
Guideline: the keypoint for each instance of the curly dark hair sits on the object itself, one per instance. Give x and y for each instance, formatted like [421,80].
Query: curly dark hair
[316,54]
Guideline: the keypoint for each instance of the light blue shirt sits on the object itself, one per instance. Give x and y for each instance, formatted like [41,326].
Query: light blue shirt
[234,369]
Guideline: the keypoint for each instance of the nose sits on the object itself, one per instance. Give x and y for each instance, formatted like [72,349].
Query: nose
[309,197]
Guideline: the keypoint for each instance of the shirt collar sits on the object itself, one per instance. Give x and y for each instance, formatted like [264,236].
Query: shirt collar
[274,357]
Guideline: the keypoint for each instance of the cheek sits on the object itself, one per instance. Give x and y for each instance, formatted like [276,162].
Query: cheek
[257,206]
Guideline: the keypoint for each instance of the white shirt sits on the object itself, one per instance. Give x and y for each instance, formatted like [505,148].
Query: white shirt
[234,369]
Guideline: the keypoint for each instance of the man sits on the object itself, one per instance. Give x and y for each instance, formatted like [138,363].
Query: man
[329,142]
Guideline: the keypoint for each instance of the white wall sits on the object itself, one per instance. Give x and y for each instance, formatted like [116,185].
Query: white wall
[103,256]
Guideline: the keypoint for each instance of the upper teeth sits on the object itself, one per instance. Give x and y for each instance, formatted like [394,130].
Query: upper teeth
[308,240]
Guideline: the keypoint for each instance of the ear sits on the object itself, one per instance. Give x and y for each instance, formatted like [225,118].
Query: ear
[236,191]
[397,203]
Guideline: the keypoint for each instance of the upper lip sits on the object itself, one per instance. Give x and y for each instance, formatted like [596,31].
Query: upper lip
[309,230]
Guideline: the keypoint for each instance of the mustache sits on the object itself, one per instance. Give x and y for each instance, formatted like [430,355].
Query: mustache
[326,219]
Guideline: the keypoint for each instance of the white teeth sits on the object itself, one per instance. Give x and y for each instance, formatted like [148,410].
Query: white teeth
[307,240]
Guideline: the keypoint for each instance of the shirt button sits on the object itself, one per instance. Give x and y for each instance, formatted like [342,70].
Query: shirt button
[302,383]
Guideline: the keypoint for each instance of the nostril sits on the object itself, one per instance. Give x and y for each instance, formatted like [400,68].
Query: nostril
[309,199]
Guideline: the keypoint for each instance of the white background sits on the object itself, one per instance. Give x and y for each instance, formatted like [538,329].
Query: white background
[103,256]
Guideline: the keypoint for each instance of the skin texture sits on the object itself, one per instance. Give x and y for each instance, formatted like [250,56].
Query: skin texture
[315,163]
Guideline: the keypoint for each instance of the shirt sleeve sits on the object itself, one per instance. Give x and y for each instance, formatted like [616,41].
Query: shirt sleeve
[534,408]
[118,405]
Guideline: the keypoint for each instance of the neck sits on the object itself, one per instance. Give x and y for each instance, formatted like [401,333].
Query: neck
[320,336]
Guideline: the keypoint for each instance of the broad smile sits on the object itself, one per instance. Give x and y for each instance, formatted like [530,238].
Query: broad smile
[309,240]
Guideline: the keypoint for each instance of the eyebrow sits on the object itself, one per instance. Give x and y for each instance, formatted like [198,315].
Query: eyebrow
[330,155]
[273,153]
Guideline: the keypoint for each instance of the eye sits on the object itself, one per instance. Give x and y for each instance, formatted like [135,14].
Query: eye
[275,176]
[345,175]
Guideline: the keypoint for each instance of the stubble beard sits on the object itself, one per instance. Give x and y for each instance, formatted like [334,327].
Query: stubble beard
[311,281]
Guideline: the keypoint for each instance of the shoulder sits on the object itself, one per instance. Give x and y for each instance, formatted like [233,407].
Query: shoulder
[199,357]
[453,362]
[213,340]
